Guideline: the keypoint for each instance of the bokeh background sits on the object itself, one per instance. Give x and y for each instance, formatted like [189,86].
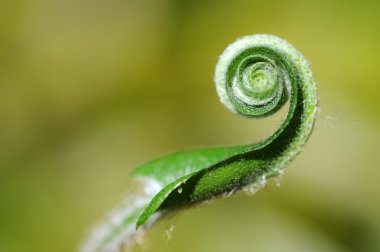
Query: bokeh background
[91,89]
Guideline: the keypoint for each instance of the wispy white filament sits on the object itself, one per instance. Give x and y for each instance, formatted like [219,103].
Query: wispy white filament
[119,228]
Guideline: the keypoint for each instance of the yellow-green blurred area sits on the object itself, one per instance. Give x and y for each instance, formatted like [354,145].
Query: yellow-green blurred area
[91,89]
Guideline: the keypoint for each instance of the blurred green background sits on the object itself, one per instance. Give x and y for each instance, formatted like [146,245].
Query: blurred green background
[90,89]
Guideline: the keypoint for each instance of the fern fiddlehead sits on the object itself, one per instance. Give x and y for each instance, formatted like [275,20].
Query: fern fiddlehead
[254,77]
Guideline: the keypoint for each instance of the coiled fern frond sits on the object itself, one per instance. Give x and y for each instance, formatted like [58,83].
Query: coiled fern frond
[255,76]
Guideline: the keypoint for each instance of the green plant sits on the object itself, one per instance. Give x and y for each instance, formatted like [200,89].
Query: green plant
[254,77]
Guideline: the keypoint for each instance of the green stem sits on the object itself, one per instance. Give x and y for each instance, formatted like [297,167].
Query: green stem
[255,76]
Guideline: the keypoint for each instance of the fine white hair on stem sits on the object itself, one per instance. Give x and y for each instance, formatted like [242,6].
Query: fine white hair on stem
[119,227]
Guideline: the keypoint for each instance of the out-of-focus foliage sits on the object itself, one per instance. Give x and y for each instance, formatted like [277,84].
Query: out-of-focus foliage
[90,89]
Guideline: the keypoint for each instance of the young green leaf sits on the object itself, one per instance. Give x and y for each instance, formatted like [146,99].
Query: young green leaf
[254,77]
